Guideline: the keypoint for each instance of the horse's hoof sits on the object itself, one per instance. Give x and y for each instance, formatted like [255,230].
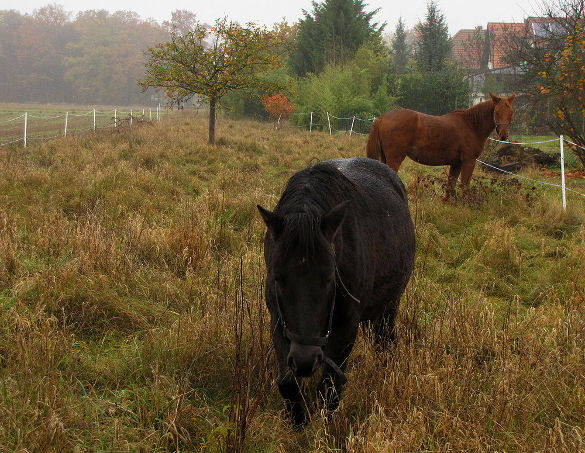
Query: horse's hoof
[297,414]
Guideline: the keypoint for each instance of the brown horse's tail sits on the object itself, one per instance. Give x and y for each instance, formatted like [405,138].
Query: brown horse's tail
[374,146]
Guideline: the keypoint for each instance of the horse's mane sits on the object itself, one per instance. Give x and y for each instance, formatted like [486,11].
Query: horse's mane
[308,196]
[479,114]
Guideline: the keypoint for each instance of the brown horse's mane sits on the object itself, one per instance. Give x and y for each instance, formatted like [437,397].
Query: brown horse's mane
[479,115]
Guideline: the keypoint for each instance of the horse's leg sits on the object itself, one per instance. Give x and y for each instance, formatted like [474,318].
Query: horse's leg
[454,171]
[295,407]
[394,161]
[466,172]
[331,383]
[288,385]
[383,328]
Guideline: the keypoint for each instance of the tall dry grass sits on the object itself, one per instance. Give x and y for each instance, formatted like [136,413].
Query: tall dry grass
[132,315]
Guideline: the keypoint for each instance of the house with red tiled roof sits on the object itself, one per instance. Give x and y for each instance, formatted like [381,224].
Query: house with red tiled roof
[482,52]
[470,49]
[500,36]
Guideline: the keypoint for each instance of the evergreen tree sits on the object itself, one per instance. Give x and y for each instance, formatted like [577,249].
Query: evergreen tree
[400,51]
[433,44]
[331,34]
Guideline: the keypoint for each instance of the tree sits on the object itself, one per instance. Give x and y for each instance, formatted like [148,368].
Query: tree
[332,34]
[182,22]
[434,92]
[41,42]
[234,59]
[277,105]
[359,87]
[10,23]
[432,83]
[108,57]
[400,50]
[433,45]
[553,60]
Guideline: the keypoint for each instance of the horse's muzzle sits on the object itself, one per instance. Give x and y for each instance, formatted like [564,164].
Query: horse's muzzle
[304,360]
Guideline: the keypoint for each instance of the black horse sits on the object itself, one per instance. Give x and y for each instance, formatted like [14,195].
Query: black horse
[339,251]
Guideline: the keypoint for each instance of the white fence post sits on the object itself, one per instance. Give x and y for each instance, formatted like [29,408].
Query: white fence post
[351,129]
[143,114]
[149,113]
[94,120]
[563,174]
[115,117]
[329,123]
[25,125]
[66,118]
[311,123]
[130,117]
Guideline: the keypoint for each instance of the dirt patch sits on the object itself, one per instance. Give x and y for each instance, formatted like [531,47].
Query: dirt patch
[515,157]
[575,174]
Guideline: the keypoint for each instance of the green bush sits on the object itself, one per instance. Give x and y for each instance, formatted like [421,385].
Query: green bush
[361,86]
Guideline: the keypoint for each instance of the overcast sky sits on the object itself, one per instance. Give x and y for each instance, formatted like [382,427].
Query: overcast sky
[459,13]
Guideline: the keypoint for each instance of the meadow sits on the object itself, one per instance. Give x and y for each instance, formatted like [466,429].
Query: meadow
[132,315]
[47,121]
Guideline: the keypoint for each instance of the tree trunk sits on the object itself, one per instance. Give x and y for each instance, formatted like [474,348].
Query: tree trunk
[212,102]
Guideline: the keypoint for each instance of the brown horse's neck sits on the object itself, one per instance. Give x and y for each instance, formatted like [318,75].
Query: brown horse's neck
[481,117]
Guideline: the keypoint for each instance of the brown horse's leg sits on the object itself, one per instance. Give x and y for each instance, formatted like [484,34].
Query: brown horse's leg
[466,172]
[395,162]
[454,171]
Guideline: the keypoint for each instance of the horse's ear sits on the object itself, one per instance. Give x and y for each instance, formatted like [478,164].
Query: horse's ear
[272,221]
[511,98]
[331,221]
[495,98]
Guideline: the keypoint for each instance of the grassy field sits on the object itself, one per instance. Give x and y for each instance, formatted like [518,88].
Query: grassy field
[132,315]
[47,121]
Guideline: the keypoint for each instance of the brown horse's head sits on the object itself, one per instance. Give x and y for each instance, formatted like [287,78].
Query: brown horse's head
[503,112]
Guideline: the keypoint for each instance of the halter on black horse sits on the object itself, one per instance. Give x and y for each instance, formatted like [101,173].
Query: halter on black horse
[317,341]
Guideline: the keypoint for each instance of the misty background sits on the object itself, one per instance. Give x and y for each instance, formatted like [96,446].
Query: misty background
[95,57]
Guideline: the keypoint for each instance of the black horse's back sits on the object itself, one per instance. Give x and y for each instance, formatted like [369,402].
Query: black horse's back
[372,175]
[383,233]
[339,251]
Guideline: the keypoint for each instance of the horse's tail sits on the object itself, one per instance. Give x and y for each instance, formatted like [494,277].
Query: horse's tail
[374,146]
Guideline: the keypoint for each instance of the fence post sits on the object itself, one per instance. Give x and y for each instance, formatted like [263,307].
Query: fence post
[25,125]
[142,113]
[351,129]
[115,117]
[66,118]
[130,117]
[563,173]
[311,123]
[94,120]
[329,123]
[149,113]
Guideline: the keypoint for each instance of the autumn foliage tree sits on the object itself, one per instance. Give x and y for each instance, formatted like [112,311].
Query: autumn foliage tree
[554,68]
[277,105]
[565,83]
[211,61]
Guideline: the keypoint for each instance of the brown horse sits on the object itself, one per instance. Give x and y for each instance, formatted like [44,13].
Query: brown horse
[455,139]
